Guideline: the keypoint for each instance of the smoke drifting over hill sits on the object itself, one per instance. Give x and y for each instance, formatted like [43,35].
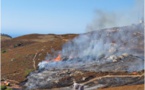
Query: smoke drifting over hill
[98,47]
[105,19]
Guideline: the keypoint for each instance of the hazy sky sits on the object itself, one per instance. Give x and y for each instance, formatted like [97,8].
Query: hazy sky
[21,17]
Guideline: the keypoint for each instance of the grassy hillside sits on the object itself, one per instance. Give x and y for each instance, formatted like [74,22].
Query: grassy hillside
[18,53]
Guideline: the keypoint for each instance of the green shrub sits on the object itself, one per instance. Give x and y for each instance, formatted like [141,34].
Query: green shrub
[17,45]
[4,51]
[3,87]
[2,34]
[27,71]
[9,89]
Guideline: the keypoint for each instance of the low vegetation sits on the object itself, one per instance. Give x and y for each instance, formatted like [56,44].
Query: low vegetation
[4,51]
[3,87]
[17,45]
[2,34]
[28,71]
[9,89]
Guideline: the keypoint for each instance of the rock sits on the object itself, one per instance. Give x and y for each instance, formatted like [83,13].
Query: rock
[112,57]
[77,86]
[79,72]
[56,81]
[12,59]
[120,57]
[84,78]
[125,54]
[114,60]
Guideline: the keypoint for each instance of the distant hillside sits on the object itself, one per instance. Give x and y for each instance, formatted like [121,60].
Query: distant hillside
[5,37]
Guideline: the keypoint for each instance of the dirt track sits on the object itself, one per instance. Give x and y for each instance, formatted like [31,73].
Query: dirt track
[110,76]
[132,87]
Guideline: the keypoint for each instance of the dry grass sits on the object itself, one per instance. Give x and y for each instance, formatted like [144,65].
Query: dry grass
[3,38]
[16,60]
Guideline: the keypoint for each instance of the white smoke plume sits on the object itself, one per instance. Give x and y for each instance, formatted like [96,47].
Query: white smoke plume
[91,47]
[104,19]
[126,37]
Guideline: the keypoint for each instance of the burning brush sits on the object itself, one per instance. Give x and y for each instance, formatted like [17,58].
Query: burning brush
[43,64]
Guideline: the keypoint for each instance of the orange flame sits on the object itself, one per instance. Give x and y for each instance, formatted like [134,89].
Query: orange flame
[58,58]
[134,73]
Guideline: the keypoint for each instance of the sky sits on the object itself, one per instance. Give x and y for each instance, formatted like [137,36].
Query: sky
[20,17]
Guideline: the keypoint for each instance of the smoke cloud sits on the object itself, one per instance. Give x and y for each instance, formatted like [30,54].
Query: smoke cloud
[105,19]
[98,46]
[92,47]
